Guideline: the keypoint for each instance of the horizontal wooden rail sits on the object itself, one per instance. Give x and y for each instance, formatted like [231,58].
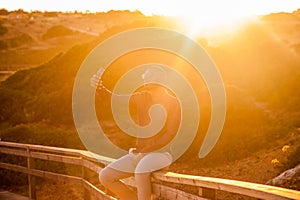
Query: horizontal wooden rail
[94,162]
[40,173]
[239,187]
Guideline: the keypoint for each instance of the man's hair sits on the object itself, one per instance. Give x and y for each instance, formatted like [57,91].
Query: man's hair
[155,73]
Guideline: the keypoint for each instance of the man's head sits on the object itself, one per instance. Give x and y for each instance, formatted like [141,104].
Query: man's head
[154,74]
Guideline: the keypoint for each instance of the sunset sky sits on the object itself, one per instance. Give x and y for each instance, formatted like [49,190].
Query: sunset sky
[165,7]
[194,14]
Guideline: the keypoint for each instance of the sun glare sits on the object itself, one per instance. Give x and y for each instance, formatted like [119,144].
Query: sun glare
[212,26]
[215,26]
[215,17]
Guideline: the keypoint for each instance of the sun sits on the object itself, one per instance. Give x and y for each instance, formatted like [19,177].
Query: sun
[213,20]
[212,25]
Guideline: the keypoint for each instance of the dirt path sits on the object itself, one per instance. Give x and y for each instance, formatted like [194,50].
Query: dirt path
[5,195]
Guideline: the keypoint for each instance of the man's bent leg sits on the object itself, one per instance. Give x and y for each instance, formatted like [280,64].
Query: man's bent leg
[110,178]
[144,186]
[149,163]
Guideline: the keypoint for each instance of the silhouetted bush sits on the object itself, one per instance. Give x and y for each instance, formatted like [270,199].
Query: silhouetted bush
[11,178]
[19,11]
[42,133]
[16,41]
[3,29]
[293,159]
[3,11]
[57,31]
[50,14]
[12,110]
[19,40]
[3,45]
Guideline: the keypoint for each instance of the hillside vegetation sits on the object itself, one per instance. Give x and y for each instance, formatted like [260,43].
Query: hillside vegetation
[259,66]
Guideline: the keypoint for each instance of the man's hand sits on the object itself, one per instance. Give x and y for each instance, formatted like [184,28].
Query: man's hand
[96,81]
[132,151]
[137,156]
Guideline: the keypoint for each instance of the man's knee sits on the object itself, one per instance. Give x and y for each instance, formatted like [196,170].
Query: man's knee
[104,177]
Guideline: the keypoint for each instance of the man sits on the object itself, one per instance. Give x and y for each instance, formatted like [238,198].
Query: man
[147,155]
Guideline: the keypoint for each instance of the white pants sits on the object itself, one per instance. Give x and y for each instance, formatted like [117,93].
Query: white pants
[142,163]
[139,165]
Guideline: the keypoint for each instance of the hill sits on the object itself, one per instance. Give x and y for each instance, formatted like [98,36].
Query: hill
[32,39]
[260,69]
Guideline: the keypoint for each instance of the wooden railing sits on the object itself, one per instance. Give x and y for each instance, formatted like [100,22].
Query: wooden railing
[86,160]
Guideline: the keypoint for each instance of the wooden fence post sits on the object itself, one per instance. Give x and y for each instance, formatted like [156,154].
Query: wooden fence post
[86,193]
[31,178]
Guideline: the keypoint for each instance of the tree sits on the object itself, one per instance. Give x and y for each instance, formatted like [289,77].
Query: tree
[3,12]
